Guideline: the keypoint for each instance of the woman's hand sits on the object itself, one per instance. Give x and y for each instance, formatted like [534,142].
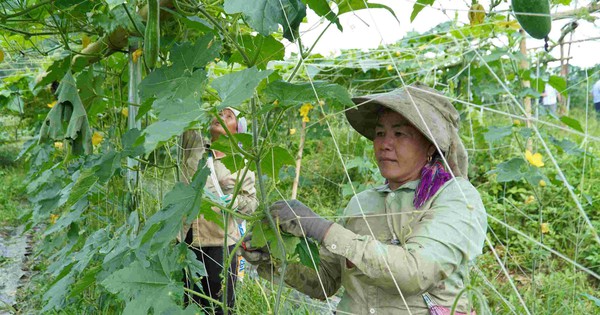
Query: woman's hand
[296,218]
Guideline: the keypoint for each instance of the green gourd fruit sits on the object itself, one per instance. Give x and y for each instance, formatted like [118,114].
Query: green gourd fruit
[152,34]
[534,16]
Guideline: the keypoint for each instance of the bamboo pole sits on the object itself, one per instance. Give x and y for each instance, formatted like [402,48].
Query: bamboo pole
[299,161]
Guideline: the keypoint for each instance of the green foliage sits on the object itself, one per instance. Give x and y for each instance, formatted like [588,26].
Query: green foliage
[110,245]
[265,16]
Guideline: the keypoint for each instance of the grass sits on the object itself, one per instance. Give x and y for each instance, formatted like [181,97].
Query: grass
[12,186]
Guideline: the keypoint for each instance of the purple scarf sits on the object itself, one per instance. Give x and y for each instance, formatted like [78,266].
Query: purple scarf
[433,176]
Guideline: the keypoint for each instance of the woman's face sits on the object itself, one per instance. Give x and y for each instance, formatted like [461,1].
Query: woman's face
[230,121]
[400,149]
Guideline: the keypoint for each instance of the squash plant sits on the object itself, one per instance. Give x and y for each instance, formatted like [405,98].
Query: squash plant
[198,59]
[187,60]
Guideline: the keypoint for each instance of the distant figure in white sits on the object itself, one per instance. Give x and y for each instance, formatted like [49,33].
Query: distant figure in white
[596,96]
[549,100]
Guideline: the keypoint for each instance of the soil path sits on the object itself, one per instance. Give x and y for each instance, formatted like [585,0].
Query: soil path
[15,246]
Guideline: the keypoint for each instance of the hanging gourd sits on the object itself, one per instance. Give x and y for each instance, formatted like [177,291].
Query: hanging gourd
[534,16]
[152,34]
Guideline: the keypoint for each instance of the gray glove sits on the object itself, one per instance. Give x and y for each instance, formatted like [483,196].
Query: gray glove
[295,218]
[255,256]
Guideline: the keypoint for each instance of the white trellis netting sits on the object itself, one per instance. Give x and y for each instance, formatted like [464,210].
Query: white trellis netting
[510,108]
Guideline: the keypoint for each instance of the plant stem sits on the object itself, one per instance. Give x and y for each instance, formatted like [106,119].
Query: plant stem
[27,10]
[231,138]
[27,33]
[303,55]
[214,22]
[263,201]
[202,296]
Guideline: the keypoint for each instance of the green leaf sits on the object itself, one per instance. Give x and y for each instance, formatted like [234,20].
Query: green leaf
[114,3]
[274,159]
[567,146]
[345,6]
[236,87]
[144,288]
[82,186]
[15,103]
[178,79]
[558,83]
[418,6]
[68,119]
[66,219]
[511,170]
[265,15]
[56,295]
[178,89]
[56,71]
[494,133]
[159,132]
[571,122]
[182,202]
[322,8]
[592,298]
[308,254]
[260,49]
[128,140]
[293,94]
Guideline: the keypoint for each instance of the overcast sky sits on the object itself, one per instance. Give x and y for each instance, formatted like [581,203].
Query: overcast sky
[382,28]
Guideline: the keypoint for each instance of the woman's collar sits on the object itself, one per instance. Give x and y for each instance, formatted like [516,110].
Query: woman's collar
[411,185]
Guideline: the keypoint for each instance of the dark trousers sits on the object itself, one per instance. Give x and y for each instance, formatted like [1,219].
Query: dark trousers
[212,258]
[597,106]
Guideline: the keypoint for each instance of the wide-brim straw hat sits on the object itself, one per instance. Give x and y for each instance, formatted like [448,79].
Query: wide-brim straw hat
[425,108]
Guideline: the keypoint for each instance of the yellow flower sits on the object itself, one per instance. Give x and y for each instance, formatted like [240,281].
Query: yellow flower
[50,105]
[85,41]
[529,200]
[509,24]
[534,159]
[304,110]
[545,228]
[97,138]
[397,54]
[390,67]
[125,111]
[292,131]
[58,145]
[53,218]
[542,183]
[136,55]
[516,122]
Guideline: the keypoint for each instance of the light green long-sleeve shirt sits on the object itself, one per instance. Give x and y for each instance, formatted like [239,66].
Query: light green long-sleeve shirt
[382,276]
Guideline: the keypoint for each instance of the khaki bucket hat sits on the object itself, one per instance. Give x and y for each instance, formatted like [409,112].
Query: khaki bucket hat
[425,108]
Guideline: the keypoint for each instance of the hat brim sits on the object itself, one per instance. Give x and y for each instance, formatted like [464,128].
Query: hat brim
[363,117]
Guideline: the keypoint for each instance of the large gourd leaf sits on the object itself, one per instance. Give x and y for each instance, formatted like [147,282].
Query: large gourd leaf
[181,203]
[67,120]
[265,16]
[145,288]
[177,89]
[260,49]
[293,94]
[236,87]
[418,6]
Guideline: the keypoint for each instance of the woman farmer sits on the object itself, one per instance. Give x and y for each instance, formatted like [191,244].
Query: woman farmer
[404,247]
[204,237]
